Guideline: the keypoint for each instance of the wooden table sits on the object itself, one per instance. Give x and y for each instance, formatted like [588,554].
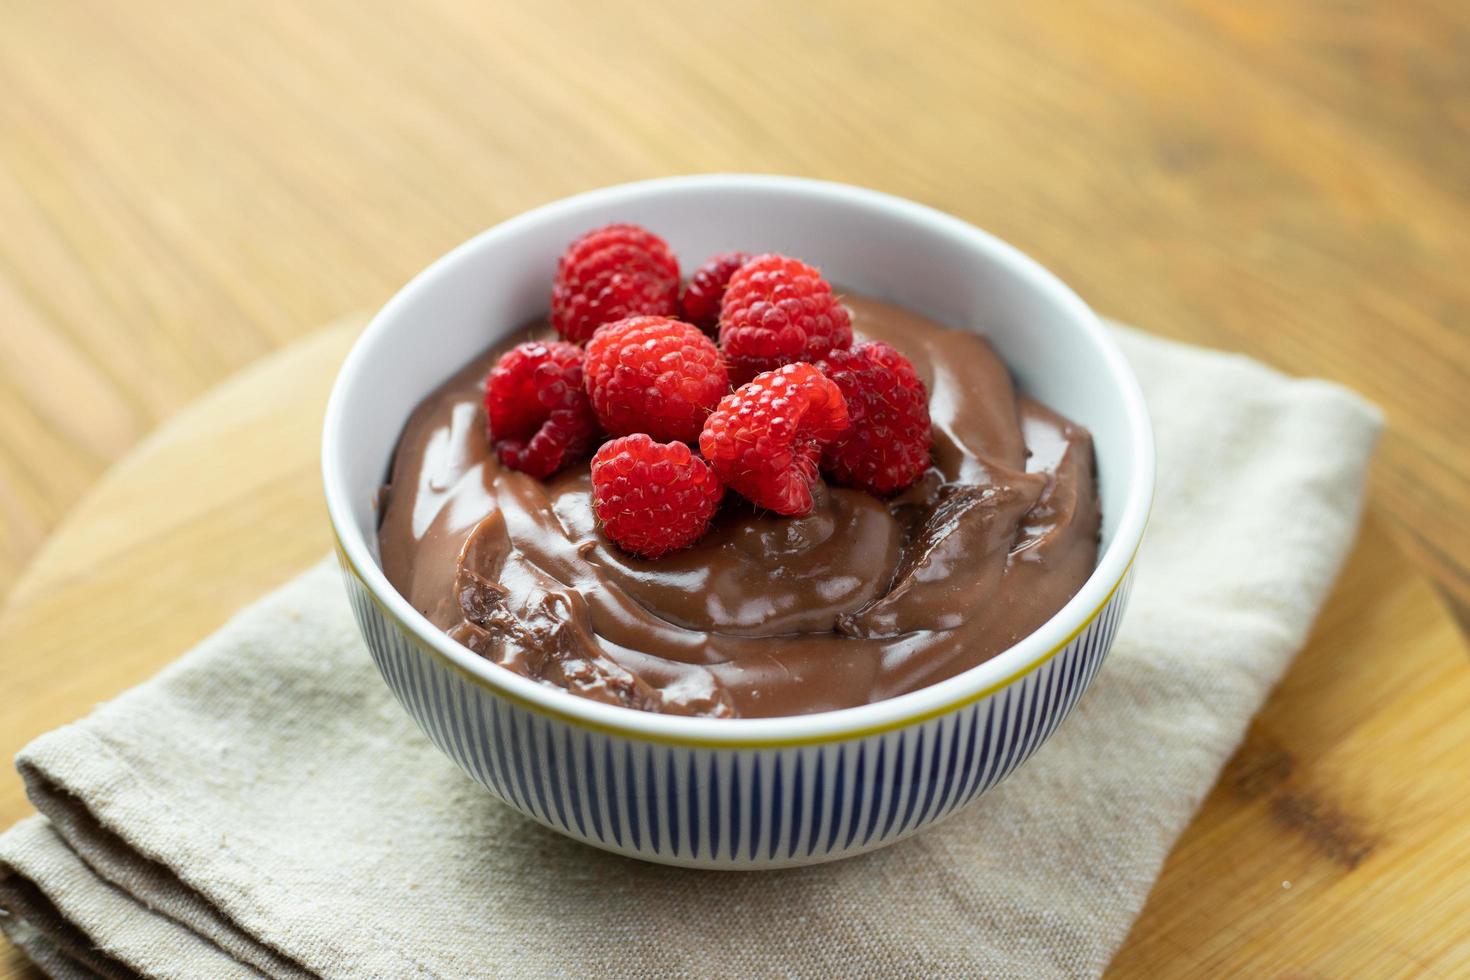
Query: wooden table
[184,188]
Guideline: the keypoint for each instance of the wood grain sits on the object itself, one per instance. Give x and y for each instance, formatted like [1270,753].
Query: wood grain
[1333,846]
[184,187]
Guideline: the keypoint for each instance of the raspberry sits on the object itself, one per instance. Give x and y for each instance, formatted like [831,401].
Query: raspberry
[653,497]
[612,273]
[655,375]
[764,440]
[778,310]
[886,445]
[707,287]
[539,417]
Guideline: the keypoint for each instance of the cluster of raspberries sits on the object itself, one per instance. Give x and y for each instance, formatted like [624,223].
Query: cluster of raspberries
[804,401]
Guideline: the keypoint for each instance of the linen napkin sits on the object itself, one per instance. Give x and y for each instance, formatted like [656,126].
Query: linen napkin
[264,807]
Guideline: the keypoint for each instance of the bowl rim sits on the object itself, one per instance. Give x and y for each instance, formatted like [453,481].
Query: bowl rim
[915,707]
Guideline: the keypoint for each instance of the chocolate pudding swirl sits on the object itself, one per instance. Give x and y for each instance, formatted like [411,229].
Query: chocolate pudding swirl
[861,600]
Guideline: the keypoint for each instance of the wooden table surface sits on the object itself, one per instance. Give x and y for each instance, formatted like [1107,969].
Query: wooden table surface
[184,188]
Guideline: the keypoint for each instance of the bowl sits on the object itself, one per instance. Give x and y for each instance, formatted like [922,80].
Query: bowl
[762,792]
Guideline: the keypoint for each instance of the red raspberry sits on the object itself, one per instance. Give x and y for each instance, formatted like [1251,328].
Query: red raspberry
[653,497]
[778,310]
[540,419]
[886,446]
[655,375]
[764,439]
[612,273]
[707,287]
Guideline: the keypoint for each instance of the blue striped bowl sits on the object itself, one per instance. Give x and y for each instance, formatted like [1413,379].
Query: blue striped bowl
[744,793]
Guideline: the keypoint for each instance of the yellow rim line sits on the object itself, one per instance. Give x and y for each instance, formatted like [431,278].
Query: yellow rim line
[753,743]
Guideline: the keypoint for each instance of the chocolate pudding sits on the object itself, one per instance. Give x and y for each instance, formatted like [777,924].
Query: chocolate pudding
[861,600]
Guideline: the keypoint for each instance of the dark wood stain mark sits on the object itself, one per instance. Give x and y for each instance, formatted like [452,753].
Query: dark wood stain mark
[1258,767]
[1325,826]
[1263,769]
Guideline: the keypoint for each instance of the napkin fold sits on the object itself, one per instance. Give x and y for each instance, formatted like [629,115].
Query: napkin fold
[264,807]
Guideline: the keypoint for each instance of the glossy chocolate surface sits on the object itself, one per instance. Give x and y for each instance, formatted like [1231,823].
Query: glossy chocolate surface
[861,600]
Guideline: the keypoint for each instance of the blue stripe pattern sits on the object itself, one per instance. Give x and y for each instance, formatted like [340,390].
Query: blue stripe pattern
[733,807]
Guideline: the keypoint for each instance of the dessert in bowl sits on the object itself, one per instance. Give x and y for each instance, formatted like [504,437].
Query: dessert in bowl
[805,677]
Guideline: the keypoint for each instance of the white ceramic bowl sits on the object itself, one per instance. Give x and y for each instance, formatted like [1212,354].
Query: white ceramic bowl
[743,793]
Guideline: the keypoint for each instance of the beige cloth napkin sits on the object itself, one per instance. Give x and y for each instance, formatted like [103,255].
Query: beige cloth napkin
[263,806]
